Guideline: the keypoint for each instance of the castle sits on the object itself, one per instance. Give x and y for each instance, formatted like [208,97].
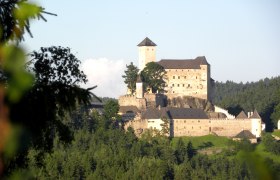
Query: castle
[185,78]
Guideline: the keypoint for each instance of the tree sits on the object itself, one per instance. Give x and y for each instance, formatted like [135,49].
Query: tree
[111,109]
[54,92]
[130,77]
[165,130]
[181,152]
[190,150]
[153,76]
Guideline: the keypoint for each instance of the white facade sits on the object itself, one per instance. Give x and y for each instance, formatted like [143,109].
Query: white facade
[146,54]
[256,127]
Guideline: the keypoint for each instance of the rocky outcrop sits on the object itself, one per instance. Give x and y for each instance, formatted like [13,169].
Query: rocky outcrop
[191,102]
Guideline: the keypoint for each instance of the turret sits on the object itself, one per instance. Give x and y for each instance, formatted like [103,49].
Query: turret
[147,52]
[139,88]
[256,124]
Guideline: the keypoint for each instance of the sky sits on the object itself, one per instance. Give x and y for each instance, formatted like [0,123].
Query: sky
[240,39]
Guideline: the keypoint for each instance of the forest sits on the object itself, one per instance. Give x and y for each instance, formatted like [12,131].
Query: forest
[263,95]
[47,130]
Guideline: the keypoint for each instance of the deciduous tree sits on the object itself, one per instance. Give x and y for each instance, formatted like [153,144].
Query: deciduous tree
[153,76]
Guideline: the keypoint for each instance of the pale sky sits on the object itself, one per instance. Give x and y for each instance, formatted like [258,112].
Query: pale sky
[239,38]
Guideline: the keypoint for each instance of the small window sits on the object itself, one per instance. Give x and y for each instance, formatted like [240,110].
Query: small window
[192,127]
[184,121]
[172,85]
[173,92]
[185,77]
[183,85]
[173,77]
[178,77]
[178,85]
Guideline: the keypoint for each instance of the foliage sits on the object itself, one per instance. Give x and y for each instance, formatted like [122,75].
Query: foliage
[54,92]
[130,77]
[271,145]
[14,80]
[239,96]
[15,16]
[115,154]
[165,127]
[153,76]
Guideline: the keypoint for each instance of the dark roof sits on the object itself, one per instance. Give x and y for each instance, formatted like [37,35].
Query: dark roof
[125,109]
[146,42]
[245,134]
[241,115]
[139,79]
[155,113]
[256,115]
[183,63]
[174,113]
[186,113]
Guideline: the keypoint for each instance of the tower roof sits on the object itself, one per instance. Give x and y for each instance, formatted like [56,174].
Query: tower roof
[241,115]
[139,80]
[245,134]
[146,42]
[255,115]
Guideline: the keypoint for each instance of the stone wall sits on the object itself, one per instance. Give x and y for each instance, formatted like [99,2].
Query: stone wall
[131,100]
[201,127]
[188,82]
[139,126]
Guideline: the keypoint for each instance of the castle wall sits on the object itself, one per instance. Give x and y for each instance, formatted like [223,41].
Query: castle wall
[131,100]
[201,127]
[189,82]
[139,125]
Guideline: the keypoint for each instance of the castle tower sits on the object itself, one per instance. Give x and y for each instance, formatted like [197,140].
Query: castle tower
[256,124]
[147,52]
[139,88]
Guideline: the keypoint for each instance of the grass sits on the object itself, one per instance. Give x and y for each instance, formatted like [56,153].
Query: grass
[276,133]
[204,142]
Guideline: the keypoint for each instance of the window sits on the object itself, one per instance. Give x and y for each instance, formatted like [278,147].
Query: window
[189,85]
[178,85]
[178,77]
[185,77]
[183,85]
[173,77]
[173,92]
[184,121]
[192,127]
[172,85]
